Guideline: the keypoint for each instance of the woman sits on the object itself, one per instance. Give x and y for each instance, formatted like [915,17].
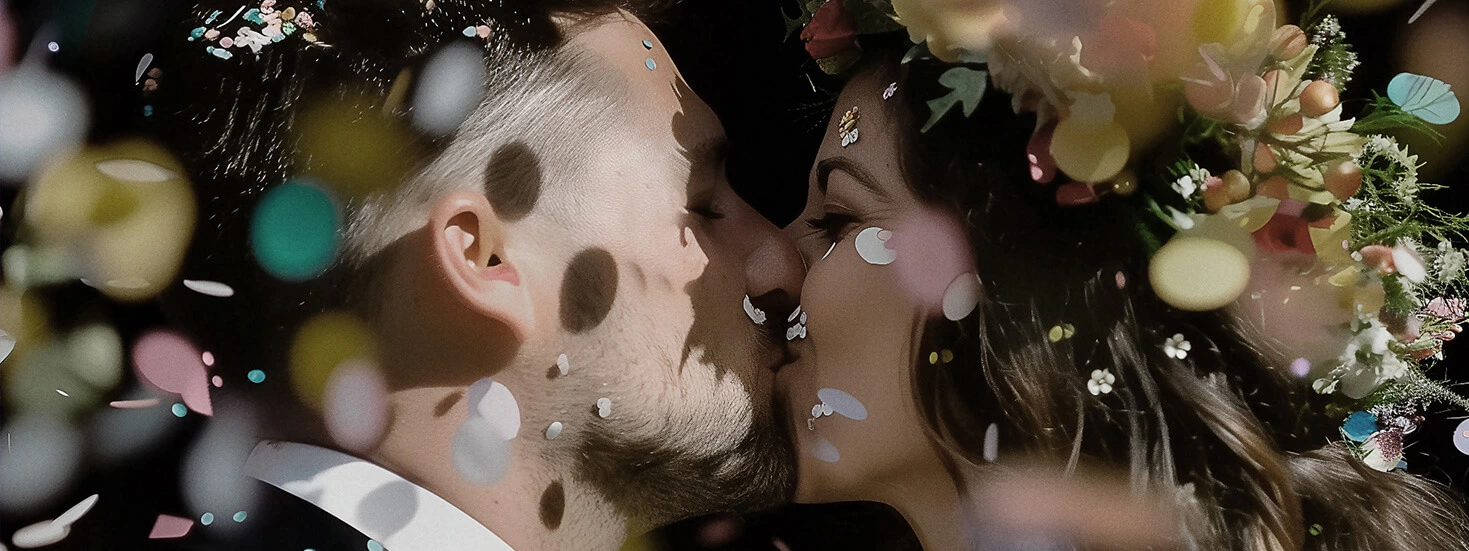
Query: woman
[961,322]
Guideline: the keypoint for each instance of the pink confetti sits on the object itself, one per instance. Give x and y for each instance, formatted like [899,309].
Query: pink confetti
[169,526]
[932,251]
[218,381]
[134,404]
[1300,367]
[171,363]
[1121,279]
[226,42]
[208,358]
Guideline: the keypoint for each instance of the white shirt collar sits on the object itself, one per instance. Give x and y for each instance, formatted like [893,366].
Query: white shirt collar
[381,505]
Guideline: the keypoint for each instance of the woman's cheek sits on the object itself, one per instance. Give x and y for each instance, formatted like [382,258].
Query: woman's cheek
[855,409]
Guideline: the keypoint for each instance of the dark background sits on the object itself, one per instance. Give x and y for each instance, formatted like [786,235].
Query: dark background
[774,104]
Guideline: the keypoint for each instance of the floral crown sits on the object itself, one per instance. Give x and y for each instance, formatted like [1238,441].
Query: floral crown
[1228,132]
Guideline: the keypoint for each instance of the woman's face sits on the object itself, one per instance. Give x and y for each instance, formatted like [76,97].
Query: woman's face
[879,260]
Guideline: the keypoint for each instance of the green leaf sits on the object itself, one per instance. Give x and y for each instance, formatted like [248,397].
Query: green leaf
[966,86]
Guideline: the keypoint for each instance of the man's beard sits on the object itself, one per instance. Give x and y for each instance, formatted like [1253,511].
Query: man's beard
[653,483]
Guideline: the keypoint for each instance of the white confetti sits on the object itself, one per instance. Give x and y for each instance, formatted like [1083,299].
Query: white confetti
[553,430]
[872,246]
[992,443]
[604,407]
[135,170]
[842,403]
[451,87]
[756,315]
[961,296]
[43,113]
[563,365]
[824,450]
[76,512]
[143,64]
[40,534]
[211,288]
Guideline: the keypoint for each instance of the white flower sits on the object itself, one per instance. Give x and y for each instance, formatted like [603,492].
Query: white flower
[1177,346]
[1186,187]
[1101,382]
[1407,262]
[1450,262]
[1368,361]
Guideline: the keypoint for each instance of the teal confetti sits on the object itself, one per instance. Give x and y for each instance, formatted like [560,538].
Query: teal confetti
[469,31]
[256,376]
[294,231]
[966,87]
[179,410]
[254,16]
[373,545]
[1427,98]
[647,45]
[206,519]
[650,64]
[147,110]
[240,516]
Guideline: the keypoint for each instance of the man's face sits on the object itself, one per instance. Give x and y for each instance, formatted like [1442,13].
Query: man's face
[650,304]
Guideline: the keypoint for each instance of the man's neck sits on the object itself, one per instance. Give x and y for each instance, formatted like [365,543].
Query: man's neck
[534,505]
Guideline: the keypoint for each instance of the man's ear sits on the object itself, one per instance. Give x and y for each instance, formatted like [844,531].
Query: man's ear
[469,252]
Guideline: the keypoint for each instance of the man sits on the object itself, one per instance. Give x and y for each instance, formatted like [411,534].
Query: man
[556,288]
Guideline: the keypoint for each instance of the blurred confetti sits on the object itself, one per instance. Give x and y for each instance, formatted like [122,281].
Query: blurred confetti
[171,363]
[356,405]
[323,343]
[213,471]
[124,211]
[354,154]
[48,532]
[43,112]
[211,288]
[41,455]
[452,85]
[294,231]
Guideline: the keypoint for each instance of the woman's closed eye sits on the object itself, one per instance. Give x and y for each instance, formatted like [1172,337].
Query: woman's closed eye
[833,226]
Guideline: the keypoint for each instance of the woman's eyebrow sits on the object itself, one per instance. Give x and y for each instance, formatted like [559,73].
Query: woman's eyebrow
[825,167]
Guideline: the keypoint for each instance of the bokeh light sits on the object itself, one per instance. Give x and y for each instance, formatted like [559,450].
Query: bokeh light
[294,231]
[323,343]
[43,112]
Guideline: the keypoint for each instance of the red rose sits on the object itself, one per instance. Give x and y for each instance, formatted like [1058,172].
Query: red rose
[830,32]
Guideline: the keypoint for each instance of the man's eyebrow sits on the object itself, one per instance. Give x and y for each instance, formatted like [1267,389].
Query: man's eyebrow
[825,167]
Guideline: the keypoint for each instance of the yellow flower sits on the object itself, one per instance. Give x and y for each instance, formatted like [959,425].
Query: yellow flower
[951,27]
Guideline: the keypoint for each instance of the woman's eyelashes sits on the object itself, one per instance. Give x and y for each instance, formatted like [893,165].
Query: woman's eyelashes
[832,226]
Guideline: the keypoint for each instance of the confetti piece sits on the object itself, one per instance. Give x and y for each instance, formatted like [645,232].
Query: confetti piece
[143,65]
[169,362]
[211,288]
[208,358]
[7,345]
[1300,367]
[563,365]
[40,534]
[356,405]
[604,407]
[240,516]
[206,519]
[43,113]
[1461,437]
[647,45]
[554,430]
[256,376]
[992,443]
[218,381]
[321,345]
[872,246]
[169,526]
[134,404]
[450,88]
[1428,98]
[842,403]
[961,296]
[373,545]
[63,393]
[824,450]
[40,456]
[179,410]
[76,512]
[293,231]
[650,64]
